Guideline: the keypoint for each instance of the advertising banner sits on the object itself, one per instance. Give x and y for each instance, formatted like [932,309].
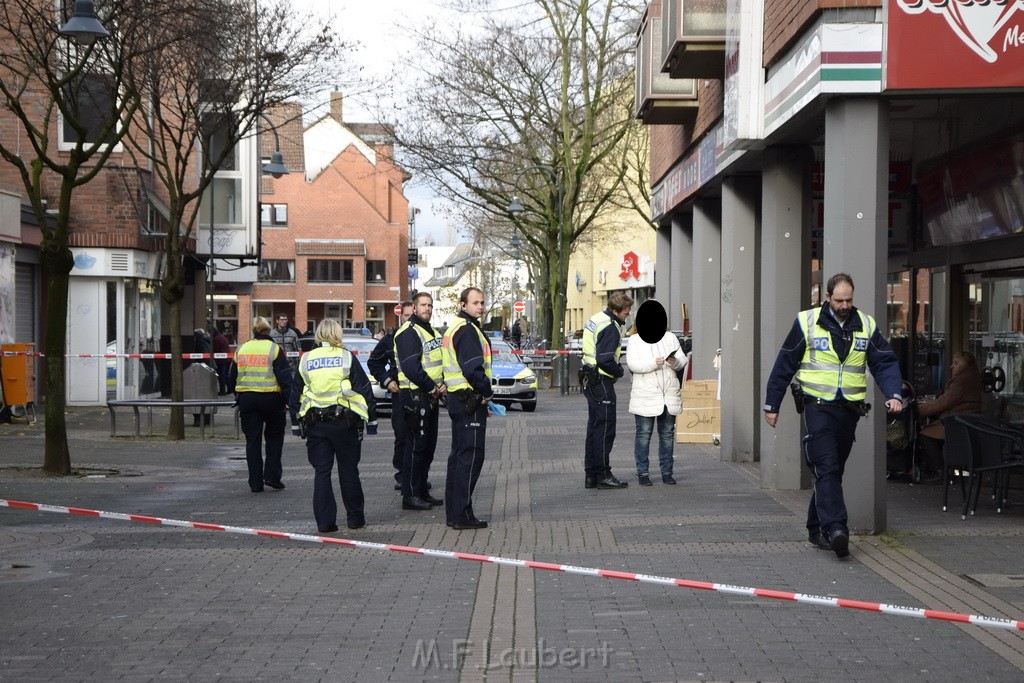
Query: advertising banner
[939,44]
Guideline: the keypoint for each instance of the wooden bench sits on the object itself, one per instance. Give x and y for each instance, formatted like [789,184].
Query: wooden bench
[150,403]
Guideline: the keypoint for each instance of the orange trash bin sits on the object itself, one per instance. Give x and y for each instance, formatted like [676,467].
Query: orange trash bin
[17,374]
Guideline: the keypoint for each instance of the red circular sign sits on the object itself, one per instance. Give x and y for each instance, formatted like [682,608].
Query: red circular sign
[398,309]
[519,307]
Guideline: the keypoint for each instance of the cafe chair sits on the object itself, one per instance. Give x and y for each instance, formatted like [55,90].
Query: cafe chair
[995,447]
[956,460]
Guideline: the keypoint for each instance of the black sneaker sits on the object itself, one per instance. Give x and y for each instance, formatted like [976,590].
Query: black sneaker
[667,479]
[645,479]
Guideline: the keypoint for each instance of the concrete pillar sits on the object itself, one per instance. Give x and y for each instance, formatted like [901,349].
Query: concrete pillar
[663,267]
[682,268]
[784,290]
[855,242]
[741,404]
[705,320]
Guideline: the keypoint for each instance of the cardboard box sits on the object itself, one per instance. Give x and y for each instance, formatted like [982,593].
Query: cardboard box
[701,419]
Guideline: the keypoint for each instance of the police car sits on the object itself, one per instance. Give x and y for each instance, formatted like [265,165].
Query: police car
[362,346]
[512,380]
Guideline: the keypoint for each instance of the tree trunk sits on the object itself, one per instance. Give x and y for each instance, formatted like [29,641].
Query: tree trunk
[173,292]
[176,428]
[57,265]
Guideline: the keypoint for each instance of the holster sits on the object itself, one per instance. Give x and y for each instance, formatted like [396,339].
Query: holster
[470,400]
[798,397]
[589,376]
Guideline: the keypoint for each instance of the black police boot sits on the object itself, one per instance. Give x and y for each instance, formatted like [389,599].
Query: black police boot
[415,503]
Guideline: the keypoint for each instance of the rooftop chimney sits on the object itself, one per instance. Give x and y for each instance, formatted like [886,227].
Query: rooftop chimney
[336,107]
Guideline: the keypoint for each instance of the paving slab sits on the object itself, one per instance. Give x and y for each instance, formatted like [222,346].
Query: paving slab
[92,599]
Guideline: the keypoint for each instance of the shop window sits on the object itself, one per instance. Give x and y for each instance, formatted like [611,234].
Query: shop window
[323,270]
[376,271]
[277,270]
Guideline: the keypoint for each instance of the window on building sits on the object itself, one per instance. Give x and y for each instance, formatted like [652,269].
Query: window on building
[277,270]
[223,196]
[376,271]
[92,99]
[274,215]
[322,270]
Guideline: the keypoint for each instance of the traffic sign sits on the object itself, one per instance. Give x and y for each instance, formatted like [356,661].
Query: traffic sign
[398,309]
[519,307]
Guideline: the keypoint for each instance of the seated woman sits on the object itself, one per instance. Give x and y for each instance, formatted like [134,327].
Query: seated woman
[962,395]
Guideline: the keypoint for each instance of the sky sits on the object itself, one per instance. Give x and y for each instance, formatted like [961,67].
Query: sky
[375,25]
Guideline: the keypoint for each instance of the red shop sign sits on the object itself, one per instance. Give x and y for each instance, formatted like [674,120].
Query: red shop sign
[954,44]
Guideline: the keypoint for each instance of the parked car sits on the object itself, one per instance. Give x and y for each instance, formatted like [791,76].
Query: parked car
[512,379]
[362,346]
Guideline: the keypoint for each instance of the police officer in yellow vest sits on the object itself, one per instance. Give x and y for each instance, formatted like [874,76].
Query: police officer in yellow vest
[420,385]
[262,381]
[602,346]
[829,350]
[467,373]
[333,399]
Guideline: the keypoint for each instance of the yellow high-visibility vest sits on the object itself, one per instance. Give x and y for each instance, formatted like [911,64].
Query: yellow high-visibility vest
[430,356]
[821,374]
[591,330]
[255,361]
[453,377]
[325,371]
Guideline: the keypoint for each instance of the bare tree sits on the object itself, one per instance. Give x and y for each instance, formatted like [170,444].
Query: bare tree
[220,67]
[529,104]
[55,90]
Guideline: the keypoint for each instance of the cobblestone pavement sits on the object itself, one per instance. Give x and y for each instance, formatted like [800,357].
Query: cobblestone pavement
[91,599]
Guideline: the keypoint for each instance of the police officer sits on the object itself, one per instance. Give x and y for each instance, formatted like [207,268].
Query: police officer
[829,350]
[467,374]
[420,386]
[261,380]
[602,337]
[333,399]
[382,366]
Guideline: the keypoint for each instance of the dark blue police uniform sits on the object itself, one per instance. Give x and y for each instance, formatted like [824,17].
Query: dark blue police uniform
[601,404]
[830,426]
[382,366]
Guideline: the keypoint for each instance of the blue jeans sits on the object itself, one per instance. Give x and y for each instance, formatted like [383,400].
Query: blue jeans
[666,441]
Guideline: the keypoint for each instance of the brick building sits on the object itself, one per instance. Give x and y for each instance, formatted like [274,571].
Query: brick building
[335,232]
[793,139]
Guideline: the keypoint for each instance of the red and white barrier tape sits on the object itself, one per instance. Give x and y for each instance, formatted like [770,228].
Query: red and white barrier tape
[202,356]
[987,622]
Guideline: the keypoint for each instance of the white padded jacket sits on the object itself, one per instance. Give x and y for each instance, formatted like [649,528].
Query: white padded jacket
[655,388]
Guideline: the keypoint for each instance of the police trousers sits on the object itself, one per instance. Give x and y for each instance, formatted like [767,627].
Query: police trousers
[420,441]
[325,443]
[262,416]
[469,436]
[600,428]
[828,439]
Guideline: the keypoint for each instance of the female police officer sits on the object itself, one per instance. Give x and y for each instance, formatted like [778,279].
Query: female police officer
[333,399]
[261,380]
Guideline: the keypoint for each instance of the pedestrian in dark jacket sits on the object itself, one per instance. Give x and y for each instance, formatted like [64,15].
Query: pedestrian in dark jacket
[384,369]
[223,365]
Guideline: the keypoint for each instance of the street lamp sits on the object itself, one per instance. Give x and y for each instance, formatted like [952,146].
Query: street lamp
[516,206]
[84,25]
